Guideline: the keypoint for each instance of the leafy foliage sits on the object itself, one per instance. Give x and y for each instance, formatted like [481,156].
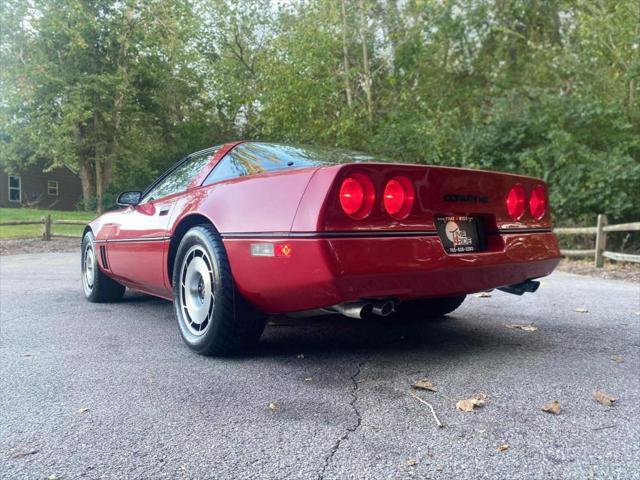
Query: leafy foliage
[124,88]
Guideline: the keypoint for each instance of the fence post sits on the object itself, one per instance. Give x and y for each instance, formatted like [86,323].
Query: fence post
[601,240]
[46,229]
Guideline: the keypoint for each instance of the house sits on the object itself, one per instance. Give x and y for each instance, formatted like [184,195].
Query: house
[58,189]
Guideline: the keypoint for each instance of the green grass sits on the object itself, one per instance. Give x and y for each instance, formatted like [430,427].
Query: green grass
[24,231]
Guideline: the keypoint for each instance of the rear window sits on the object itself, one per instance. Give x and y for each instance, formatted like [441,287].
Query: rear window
[253,158]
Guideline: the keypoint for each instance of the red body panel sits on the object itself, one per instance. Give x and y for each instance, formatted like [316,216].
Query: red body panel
[323,272]
[334,258]
[262,203]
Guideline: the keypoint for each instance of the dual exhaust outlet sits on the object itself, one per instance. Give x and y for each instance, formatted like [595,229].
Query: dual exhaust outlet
[364,309]
[384,308]
[528,286]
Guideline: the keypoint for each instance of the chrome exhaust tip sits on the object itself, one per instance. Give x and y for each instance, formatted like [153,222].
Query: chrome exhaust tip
[383,309]
[521,288]
[363,309]
[353,309]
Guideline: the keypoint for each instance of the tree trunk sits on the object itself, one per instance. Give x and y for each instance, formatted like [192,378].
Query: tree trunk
[99,184]
[632,80]
[365,62]
[446,41]
[104,163]
[392,22]
[345,56]
[86,180]
[98,154]
[84,164]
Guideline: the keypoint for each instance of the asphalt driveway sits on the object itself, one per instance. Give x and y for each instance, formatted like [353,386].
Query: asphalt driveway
[110,391]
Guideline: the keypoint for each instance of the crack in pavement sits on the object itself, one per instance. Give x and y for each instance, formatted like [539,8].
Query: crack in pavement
[350,429]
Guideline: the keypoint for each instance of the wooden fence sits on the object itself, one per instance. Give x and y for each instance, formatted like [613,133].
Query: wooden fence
[47,224]
[600,252]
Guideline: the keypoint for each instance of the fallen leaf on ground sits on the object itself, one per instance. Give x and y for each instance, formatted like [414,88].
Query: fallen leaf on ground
[604,398]
[617,358]
[527,327]
[52,477]
[411,462]
[183,467]
[273,406]
[581,310]
[470,403]
[503,447]
[483,295]
[308,379]
[24,454]
[27,354]
[83,410]
[425,384]
[553,407]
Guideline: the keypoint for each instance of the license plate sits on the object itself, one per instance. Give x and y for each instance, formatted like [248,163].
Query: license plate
[460,234]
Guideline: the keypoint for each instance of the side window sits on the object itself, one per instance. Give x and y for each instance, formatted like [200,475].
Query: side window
[15,188]
[179,178]
[52,188]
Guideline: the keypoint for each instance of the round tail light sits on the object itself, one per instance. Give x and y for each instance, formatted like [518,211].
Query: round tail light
[357,196]
[398,197]
[516,200]
[538,202]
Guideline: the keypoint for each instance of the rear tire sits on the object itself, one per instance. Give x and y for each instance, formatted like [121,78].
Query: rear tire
[97,287]
[427,308]
[213,318]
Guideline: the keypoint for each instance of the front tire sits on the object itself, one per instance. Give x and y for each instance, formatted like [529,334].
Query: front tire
[427,308]
[212,316]
[97,287]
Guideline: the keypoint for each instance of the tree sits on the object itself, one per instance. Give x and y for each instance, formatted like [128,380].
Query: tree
[120,89]
[96,85]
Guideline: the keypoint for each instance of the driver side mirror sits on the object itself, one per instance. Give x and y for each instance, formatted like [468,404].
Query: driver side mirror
[129,198]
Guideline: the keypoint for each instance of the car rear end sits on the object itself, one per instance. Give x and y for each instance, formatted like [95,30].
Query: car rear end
[399,232]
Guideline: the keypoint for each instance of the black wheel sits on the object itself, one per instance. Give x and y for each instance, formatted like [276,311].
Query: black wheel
[212,316]
[427,307]
[97,286]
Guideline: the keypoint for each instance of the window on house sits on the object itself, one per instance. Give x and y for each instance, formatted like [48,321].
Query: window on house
[15,188]
[52,187]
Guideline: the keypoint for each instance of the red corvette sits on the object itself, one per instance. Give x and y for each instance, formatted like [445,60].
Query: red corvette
[237,232]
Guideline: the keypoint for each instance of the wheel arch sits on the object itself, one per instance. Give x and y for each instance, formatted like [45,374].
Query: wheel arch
[182,227]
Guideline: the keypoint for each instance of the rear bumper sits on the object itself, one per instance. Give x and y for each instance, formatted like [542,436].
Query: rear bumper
[325,271]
